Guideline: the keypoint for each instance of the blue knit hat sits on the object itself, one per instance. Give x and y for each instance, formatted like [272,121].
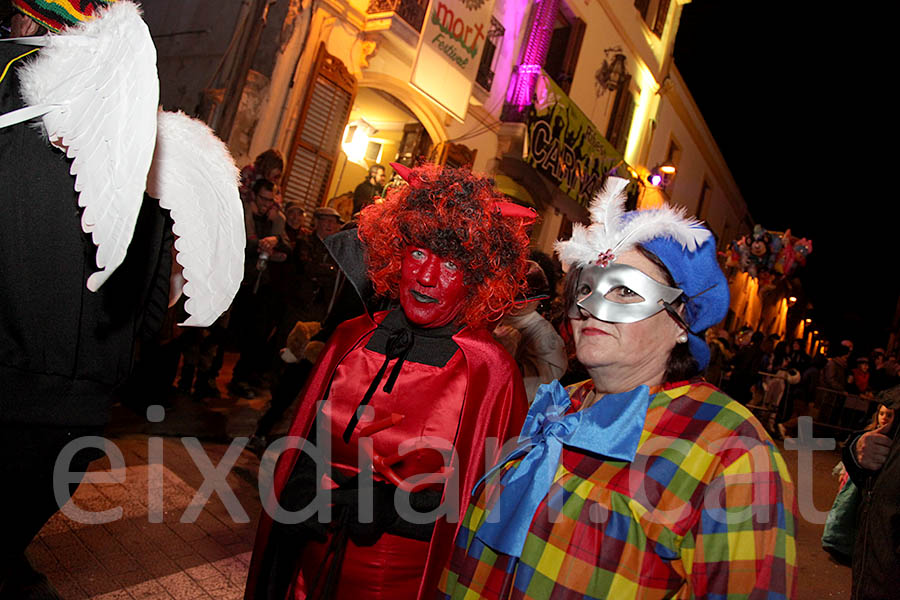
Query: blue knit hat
[683,244]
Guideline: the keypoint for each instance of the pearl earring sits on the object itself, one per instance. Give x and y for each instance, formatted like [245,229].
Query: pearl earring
[682,338]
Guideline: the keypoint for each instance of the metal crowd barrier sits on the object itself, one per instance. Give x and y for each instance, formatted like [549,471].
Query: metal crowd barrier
[841,411]
[833,411]
[770,407]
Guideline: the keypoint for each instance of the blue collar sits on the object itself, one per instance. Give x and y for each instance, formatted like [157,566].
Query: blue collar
[610,427]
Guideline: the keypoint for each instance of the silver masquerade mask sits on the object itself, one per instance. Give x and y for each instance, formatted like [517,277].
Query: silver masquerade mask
[619,294]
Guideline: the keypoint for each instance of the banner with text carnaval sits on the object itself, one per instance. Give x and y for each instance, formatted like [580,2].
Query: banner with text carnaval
[563,144]
[449,52]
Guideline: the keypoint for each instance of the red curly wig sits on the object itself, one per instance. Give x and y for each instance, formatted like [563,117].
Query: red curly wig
[451,212]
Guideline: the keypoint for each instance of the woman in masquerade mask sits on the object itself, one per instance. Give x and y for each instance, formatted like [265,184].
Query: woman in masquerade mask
[643,481]
[420,389]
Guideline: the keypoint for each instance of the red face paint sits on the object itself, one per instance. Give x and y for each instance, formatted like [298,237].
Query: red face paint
[431,288]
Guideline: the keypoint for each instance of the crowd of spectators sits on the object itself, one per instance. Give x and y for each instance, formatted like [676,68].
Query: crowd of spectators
[289,276]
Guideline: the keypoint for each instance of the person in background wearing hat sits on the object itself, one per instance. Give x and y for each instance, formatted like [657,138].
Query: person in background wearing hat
[538,349]
[293,223]
[328,221]
[643,481]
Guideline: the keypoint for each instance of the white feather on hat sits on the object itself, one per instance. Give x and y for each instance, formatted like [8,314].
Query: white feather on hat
[613,231]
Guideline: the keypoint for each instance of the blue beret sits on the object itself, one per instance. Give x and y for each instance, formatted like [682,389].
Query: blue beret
[706,290]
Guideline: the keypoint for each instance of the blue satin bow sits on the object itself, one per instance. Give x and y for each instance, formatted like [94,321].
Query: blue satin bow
[611,427]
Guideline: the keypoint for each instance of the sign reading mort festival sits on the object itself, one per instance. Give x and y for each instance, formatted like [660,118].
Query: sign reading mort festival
[450,50]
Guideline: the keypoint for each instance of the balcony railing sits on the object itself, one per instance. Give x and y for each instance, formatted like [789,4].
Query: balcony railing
[411,11]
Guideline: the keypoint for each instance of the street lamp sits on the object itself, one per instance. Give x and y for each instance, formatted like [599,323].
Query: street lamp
[356,140]
[661,175]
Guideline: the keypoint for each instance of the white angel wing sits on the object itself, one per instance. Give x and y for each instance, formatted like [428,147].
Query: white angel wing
[101,75]
[194,177]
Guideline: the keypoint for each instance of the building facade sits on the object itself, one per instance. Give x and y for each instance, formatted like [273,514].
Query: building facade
[548,97]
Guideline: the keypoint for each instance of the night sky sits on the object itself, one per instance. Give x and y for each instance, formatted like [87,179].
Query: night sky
[786,93]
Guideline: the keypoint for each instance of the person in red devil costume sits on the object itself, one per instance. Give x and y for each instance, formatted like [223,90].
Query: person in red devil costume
[426,374]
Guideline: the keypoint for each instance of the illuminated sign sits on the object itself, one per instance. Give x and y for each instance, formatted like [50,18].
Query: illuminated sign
[450,50]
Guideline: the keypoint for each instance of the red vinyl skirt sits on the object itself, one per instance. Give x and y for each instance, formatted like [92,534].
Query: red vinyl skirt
[391,569]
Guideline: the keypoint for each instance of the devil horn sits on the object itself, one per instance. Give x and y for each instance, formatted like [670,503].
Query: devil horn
[509,209]
[406,173]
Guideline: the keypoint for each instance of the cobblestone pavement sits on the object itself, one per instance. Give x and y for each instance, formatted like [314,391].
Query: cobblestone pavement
[131,558]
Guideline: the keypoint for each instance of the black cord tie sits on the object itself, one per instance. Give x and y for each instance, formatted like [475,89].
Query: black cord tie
[399,344]
[673,312]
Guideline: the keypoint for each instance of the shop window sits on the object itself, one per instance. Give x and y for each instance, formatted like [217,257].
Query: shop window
[485,76]
[317,139]
[654,13]
[564,47]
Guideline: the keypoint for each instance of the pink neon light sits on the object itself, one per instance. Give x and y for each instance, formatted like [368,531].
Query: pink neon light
[522,85]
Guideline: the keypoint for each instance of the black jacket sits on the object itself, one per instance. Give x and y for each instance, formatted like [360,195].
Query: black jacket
[63,348]
[876,554]
[364,194]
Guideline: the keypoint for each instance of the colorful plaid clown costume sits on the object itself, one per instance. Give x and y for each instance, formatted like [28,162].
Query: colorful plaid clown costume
[651,527]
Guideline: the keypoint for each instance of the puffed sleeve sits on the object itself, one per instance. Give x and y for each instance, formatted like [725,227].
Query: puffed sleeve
[743,542]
